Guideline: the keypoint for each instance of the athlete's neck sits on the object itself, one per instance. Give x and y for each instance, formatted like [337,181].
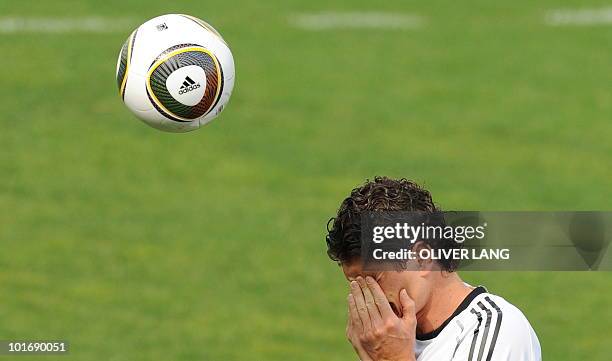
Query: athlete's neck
[446,296]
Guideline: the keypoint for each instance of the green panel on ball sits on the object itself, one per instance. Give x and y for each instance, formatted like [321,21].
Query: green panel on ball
[174,59]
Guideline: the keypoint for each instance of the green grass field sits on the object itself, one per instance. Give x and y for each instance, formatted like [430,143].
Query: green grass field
[135,244]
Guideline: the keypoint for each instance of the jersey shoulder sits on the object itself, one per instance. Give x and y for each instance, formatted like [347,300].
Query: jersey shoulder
[495,329]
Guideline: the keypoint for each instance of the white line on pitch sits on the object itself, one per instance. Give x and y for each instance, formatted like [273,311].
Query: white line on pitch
[579,17]
[63,25]
[356,20]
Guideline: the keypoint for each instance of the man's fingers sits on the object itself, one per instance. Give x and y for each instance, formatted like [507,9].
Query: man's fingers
[379,297]
[362,309]
[354,320]
[407,305]
[370,303]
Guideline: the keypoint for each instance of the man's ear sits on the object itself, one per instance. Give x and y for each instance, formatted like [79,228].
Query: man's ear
[425,263]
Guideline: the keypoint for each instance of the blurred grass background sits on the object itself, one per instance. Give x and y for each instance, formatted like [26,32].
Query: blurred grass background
[139,245]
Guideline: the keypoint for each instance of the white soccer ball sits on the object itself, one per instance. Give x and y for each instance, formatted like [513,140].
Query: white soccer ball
[175,72]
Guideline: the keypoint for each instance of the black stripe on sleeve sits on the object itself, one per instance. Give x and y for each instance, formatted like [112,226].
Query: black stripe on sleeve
[497,326]
[479,316]
[483,342]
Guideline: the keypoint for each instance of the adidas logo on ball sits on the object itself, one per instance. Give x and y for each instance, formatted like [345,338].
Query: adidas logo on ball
[188,85]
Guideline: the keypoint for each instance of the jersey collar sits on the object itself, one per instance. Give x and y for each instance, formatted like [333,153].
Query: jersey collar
[464,304]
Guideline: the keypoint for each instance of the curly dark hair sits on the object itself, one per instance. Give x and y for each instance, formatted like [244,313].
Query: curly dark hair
[381,194]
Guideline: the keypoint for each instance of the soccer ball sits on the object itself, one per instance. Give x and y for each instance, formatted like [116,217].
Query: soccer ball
[175,72]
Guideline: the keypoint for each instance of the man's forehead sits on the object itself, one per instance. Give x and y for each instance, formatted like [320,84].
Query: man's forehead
[352,270]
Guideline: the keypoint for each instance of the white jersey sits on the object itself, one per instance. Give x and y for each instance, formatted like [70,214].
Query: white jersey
[484,327]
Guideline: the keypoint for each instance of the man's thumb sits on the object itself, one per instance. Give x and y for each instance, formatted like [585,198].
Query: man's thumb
[407,305]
